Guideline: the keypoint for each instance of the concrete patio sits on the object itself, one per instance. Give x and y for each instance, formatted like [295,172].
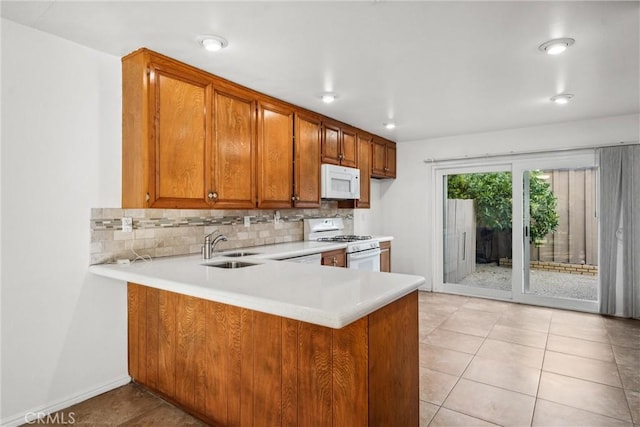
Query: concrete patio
[545,283]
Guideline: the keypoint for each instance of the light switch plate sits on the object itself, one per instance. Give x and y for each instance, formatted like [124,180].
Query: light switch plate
[247,221]
[127,224]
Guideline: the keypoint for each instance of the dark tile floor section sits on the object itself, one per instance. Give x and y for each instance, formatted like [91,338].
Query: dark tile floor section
[130,405]
[482,363]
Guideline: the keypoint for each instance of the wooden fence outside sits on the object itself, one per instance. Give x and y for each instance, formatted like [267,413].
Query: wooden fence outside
[574,243]
[459,240]
[576,239]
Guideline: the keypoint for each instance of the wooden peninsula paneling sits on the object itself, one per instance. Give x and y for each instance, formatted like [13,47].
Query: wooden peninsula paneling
[231,366]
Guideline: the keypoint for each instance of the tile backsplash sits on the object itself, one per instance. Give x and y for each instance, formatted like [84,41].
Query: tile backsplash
[166,232]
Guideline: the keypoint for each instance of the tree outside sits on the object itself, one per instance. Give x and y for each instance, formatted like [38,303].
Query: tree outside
[563,262]
[492,197]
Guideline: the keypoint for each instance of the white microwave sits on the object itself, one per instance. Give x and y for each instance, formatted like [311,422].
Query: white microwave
[339,182]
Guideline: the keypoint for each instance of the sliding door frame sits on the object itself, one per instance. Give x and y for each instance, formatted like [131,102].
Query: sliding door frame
[455,168]
[517,165]
[575,160]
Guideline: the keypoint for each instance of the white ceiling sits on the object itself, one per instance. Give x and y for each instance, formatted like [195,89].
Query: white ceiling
[435,68]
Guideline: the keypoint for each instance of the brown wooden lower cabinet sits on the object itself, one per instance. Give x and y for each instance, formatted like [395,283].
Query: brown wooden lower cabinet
[385,257]
[232,366]
[337,258]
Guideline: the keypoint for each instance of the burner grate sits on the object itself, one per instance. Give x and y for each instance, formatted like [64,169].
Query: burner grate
[344,238]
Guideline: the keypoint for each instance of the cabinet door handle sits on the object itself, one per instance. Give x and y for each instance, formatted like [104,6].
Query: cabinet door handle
[297,198]
[212,195]
[335,261]
[293,198]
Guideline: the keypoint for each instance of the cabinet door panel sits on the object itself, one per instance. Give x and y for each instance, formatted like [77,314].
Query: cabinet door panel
[337,258]
[385,257]
[275,156]
[364,164]
[330,144]
[307,161]
[378,158]
[180,137]
[349,158]
[391,161]
[234,152]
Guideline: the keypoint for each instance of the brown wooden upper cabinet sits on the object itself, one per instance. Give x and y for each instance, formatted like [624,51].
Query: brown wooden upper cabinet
[306,166]
[192,140]
[383,158]
[338,144]
[364,164]
[234,152]
[166,134]
[275,156]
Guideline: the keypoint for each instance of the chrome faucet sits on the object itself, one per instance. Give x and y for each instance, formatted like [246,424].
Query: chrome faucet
[210,243]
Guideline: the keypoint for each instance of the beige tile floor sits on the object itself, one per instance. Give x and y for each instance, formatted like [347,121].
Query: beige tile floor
[485,363]
[482,363]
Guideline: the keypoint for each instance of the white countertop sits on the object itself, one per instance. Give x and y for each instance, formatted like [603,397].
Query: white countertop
[326,296]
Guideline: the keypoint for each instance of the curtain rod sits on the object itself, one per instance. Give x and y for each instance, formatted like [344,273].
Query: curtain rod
[522,153]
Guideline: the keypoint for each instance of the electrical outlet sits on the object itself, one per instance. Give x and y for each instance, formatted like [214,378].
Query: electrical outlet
[247,221]
[127,224]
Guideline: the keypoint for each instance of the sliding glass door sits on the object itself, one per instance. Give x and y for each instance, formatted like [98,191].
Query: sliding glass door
[560,234]
[476,231]
[552,258]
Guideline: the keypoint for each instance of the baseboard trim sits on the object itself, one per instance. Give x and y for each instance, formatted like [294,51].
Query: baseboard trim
[20,419]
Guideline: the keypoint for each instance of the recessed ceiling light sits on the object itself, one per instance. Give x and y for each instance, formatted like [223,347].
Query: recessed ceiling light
[389,125]
[563,98]
[213,43]
[328,98]
[556,46]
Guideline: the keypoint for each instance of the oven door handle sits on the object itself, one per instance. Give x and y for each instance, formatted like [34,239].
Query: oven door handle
[365,254]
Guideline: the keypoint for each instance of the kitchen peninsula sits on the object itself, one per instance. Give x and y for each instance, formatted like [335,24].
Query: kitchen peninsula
[274,343]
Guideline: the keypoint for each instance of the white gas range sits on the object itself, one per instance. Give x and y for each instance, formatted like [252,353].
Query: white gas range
[363,252]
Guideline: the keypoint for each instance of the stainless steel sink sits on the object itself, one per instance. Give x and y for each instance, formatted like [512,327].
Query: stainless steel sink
[239,254]
[230,264]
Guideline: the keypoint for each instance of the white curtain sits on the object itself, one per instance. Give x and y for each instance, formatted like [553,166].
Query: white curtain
[620,199]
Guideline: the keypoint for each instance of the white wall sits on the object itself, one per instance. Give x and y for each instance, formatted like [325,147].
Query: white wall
[63,329]
[408,201]
[369,221]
